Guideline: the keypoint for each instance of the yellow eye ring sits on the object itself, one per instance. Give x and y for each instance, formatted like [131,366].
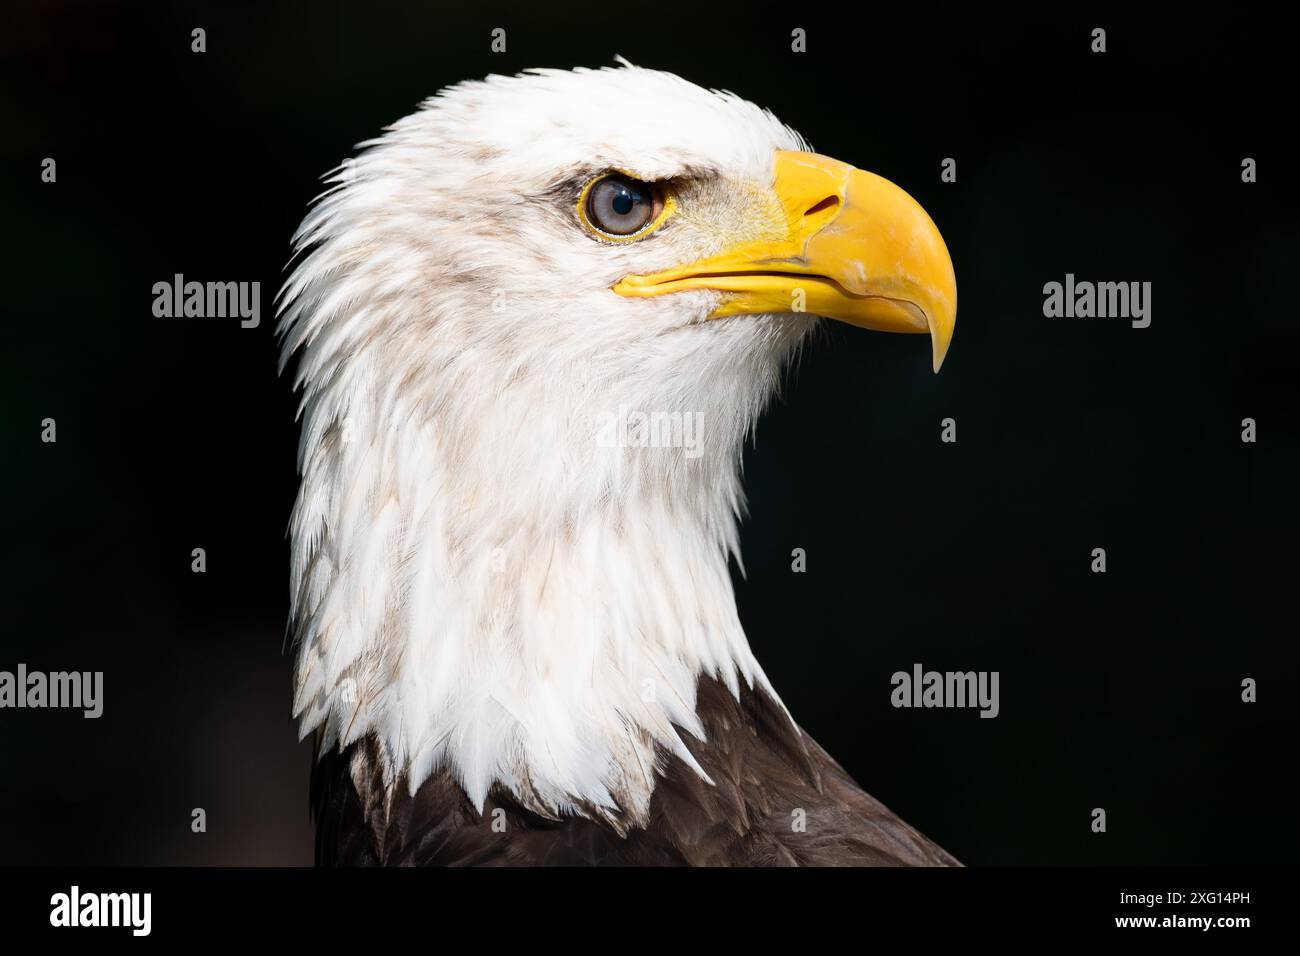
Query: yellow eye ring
[663,203]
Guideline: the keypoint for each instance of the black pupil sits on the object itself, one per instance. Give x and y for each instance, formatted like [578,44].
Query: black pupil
[623,201]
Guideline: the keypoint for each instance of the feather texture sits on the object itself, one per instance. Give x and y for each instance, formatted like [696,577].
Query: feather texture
[777,800]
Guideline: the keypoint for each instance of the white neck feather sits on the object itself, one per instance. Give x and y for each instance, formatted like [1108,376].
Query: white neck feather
[485,581]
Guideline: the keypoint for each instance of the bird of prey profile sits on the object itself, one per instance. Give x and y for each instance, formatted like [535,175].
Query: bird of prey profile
[516,636]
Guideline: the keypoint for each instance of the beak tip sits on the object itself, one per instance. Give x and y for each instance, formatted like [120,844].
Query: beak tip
[940,339]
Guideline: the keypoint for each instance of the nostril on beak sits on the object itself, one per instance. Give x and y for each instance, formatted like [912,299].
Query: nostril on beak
[830,202]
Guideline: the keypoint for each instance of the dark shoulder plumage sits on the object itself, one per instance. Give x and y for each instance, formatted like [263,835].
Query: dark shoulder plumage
[777,799]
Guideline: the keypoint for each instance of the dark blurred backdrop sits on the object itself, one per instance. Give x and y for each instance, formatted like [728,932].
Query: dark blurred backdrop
[1119,691]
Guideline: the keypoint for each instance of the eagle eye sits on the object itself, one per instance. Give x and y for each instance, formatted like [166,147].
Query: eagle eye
[617,206]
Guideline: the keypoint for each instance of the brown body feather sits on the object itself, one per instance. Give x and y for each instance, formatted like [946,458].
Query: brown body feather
[763,769]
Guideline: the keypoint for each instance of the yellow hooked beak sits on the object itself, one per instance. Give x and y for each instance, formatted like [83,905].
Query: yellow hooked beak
[855,248]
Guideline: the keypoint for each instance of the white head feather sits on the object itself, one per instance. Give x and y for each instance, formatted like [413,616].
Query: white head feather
[481,579]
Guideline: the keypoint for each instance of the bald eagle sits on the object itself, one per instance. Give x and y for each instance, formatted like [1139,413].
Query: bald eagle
[516,640]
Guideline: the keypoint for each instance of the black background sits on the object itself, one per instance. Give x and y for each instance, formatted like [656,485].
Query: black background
[1119,691]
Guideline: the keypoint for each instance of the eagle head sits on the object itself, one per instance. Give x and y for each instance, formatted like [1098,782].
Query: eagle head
[534,322]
